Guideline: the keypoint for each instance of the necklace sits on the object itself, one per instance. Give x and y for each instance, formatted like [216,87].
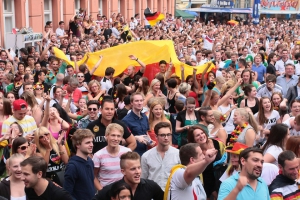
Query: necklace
[189,116]
[236,132]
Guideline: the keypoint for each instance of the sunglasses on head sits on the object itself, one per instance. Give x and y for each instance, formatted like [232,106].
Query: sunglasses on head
[42,136]
[92,109]
[23,147]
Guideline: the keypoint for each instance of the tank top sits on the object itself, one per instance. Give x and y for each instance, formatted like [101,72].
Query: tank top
[255,108]
[241,137]
[54,134]
[171,103]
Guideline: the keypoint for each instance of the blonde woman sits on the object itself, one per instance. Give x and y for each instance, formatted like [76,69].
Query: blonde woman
[154,91]
[9,68]
[95,92]
[218,132]
[53,151]
[156,115]
[37,112]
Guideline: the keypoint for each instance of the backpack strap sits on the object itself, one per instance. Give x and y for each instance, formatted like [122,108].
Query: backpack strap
[173,170]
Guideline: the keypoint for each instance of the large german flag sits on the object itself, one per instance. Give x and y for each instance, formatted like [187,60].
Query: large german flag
[153,18]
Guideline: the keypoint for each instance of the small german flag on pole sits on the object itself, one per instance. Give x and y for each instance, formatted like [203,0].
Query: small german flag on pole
[153,18]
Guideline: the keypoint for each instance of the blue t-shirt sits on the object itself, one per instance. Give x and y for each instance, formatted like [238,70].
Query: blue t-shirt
[261,71]
[247,193]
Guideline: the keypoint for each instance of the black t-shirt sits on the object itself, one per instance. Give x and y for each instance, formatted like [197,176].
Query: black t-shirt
[74,27]
[87,77]
[52,192]
[107,33]
[271,69]
[99,131]
[129,79]
[122,113]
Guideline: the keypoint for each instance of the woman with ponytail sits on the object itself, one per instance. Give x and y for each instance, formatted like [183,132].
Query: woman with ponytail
[246,129]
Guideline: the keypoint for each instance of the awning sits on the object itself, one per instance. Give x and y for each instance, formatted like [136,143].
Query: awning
[266,11]
[221,10]
[183,14]
[191,12]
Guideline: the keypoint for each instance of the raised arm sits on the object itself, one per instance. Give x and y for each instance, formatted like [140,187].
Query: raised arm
[230,92]
[196,84]
[143,66]
[182,72]
[204,79]
[169,71]
[96,65]
[193,170]
[46,112]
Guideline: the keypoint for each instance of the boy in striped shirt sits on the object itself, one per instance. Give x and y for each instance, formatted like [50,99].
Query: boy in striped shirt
[107,160]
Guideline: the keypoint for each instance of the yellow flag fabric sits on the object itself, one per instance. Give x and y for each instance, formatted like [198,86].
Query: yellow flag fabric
[147,51]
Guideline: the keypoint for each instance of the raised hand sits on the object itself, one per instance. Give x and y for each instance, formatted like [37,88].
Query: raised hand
[132,57]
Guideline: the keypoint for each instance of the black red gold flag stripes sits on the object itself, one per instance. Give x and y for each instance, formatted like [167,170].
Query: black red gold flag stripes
[153,18]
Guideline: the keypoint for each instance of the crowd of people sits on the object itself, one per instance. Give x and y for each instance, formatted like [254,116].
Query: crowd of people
[232,132]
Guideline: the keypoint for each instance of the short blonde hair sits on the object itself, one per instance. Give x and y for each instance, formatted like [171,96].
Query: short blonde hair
[94,82]
[114,126]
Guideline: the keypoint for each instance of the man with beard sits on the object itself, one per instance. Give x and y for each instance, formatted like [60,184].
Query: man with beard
[79,174]
[53,70]
[206,116]
[267,89]
[36,186]
[247,184]
[284,185]
[144,189]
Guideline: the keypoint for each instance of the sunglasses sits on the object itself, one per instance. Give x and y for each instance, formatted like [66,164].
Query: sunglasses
[23,147]
[42,136]
[92,109]
[38,88]
[79,76]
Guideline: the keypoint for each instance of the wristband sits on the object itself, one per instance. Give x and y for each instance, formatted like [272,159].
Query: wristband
[136,59]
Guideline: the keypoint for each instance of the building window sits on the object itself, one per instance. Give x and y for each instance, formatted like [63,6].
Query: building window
[47,10]
[77,6]
[119,6]
[8,14]
[247,4]
[100,7]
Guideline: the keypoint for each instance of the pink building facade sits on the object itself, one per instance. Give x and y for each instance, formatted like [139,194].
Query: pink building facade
[35,13]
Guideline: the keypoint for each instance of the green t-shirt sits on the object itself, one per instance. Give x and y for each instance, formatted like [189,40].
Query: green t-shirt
[248,58]
[239,91]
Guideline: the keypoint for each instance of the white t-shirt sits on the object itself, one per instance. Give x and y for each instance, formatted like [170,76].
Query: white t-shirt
[208,42]
[225,175]
[180,190]
[269,172]
[280,65]
[271,120]
[274,151]
[106,84]
[293,132]
[229,127]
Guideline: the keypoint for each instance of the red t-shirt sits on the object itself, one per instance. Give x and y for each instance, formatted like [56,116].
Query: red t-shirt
[76,94]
